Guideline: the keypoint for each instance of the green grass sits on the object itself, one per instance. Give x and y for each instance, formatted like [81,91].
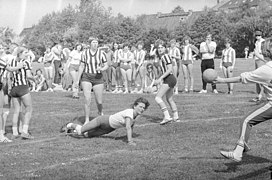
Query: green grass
[186,150]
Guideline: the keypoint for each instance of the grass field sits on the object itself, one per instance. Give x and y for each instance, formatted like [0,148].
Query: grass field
[185,150]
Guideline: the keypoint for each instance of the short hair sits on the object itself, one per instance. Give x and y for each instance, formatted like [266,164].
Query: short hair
[172,41]
[38,70]
[140,43]
[149,65]
[227,40]
[91,39]
[186,38]
[141,100]
[19,51]
[78,44]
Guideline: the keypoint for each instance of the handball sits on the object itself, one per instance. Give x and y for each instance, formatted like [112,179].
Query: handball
[209,75]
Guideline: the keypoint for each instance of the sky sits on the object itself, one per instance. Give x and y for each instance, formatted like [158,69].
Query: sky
[19,14]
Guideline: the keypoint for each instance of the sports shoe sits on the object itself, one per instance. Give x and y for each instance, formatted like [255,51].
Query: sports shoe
[215,91]
[115,91]
[140,92]
[13,137]
[5,140]
[26,136]
[176,120]
[203,91]
[256,99]
[126,92]
[230,155]
[120,91]
[164,121]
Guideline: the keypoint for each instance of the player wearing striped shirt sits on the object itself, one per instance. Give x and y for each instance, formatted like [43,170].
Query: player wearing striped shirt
[168,81]
[263,76]
[116,68]
[20,92]
[174,53]
[228,62]
[93,62]
[187,63]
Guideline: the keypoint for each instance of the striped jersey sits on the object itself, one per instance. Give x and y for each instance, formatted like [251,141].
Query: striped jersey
[165,60]
[139,56]
[20,76]
[174,52]
[126,55]
[228,55]
[115,56]
[93,61]
[2,68]
[188,52]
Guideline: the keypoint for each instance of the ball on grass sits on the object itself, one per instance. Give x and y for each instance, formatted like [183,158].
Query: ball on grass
[209,75]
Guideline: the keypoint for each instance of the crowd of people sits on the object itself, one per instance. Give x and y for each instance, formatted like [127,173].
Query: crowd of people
[118,68]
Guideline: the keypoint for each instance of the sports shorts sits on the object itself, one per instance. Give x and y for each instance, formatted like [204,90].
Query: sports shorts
[115,64]
[19,91]
[227,64]
[73,67]
[102,128]
[170,80]
[125,67]
[95,79]
[186,62]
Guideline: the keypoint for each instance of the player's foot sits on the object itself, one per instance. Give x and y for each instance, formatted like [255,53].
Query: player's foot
[115,91]
[14,137]
[140,92]
[231,155]
[256,99]
[165,121]
[5,140]
[126,92]
[120,91]
[203,91]
[176,120]
[215,91]
[26,136]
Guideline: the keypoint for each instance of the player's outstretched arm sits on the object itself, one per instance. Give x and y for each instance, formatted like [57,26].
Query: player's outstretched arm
[129,132]
[228,80]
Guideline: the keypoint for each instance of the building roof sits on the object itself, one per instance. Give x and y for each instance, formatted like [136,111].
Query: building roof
[233,4]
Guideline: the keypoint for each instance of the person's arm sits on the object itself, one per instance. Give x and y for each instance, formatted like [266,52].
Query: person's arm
[194,49]
[233,56]
[202,48]
[237,79]
[141,61]
[221,61]
[152,50]
[29,75]
[11,69]
[258,55]
[105,63]
[129,131]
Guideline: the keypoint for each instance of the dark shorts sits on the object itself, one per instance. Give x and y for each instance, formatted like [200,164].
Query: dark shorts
[73,67]
[115,64]
[170,80]
[19,91]
[102,128]
[95,79]
[227,64]
[186,62]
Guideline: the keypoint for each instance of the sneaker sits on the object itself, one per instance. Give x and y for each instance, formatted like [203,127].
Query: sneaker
[256,99]
[140,92]
[215,91]
[5,140]
[26,136]
[176,120]
[13,137]
[165,121]
[120,91]
[126,92]
[203,91]
[230,155]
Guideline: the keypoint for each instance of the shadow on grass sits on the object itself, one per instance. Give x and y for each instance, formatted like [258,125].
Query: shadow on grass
[153,119]
[247,159]
[255,174]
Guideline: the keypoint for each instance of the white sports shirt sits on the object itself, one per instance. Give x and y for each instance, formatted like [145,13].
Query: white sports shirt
[118,120]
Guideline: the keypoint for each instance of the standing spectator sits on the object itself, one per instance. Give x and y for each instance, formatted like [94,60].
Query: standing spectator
[73,65]
[207,50]
[187,64]
[259,61]
[174,53]
[48,68]
[108,73]
[154,53]
[56,51]
[228,62]
[93,62]
[246,52]
[168,81]
[20,93]
[150,78]
[116,68]
[125,58]
[139,67]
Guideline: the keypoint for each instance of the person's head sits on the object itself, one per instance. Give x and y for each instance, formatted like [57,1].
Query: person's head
[227,42]
[209,37]
[78,47]
[140,105]
[21,53]
[126,47]
[38,72]
[161,47]
[2,49]
[140,45]
[258,34]
[115,46]
[149,67]
[186,40]
[93,42]
[173,43]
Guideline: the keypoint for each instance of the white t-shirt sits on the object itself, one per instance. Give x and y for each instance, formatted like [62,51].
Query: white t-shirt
[118,120]
[75,57]
[203,47]
[258,47]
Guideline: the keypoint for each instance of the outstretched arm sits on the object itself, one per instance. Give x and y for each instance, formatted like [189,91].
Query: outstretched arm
[129,131]
[228,80]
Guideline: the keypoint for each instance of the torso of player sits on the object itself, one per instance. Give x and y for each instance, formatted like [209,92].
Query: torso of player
[118,120]
[258,47]
[127,56]
[187,53]
[228,55]
[207,55]
[75,56]
[20,76]
[139,56]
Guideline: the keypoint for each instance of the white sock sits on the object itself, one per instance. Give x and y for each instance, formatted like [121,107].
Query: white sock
[69,125]
[25,129]
[78,129]
[15,131]
[175,115]
[1,133]
[166,114]
[239,151]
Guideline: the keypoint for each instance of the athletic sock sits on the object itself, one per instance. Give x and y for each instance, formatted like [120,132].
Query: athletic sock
[166,113]
[238,151]
[1,134]
[25,129]
[175,114]
[78,129]
[15,131]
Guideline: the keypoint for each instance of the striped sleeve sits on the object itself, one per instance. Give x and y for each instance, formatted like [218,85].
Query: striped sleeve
[83,57]
[167,59]
[2,64]
[27,65]
[103,57]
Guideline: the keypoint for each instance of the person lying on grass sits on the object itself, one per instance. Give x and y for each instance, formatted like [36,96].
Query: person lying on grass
[262,76]
[107,123]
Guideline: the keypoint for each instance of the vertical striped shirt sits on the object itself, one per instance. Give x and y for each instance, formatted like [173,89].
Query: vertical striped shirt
[228,55]
[188,52]
[115,56]
[93,61]
[2,68]
[20,76]
[139,56]
[174,52]
[165,60]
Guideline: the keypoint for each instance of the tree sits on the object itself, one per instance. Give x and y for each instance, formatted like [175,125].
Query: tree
[178,9]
